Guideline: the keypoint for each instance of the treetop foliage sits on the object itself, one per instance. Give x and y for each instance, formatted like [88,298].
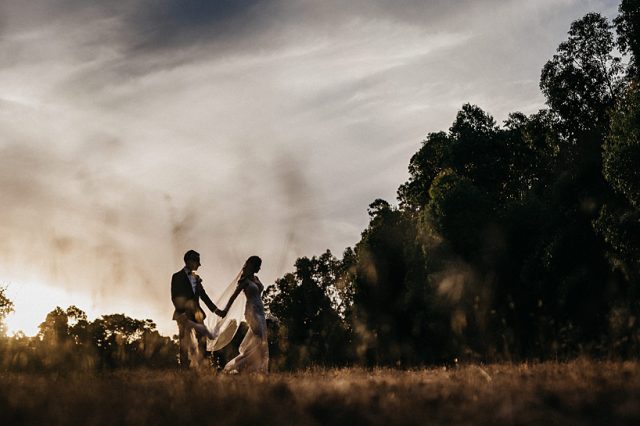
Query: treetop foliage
[509,241]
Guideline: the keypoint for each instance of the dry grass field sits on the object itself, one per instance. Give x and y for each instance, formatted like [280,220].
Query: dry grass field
[574,393]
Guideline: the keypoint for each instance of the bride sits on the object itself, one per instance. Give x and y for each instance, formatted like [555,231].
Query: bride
[254,349]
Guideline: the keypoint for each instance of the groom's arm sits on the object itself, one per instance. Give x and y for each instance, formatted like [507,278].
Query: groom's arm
[207,300]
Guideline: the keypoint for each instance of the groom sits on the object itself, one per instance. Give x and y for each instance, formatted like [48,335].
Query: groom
[186,292]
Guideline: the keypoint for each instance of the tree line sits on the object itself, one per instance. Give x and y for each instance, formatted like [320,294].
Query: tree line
[510,241]
[68,342]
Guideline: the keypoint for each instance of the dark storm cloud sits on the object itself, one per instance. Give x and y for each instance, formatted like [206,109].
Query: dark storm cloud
[251,25]
[154,25]
[145,26]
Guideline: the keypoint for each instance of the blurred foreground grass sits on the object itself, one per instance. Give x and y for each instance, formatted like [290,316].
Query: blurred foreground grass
[578,392]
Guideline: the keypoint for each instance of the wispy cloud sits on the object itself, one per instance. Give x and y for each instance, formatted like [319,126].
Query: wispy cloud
[134,130]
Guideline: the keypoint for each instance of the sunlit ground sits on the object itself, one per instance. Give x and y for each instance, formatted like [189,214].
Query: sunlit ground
[580,392]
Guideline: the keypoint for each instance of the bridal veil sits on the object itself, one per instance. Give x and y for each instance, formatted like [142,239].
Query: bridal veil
[223,329]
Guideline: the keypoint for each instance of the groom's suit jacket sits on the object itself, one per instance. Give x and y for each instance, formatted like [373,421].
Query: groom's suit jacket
[185,300]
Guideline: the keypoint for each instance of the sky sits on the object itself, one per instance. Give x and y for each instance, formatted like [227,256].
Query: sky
[132,131]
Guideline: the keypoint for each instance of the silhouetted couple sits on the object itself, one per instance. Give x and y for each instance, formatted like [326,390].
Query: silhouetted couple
[196,336]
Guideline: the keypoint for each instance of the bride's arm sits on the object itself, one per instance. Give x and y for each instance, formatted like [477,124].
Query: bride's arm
[239,288]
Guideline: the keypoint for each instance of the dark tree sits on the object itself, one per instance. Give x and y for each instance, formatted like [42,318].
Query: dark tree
[424,166]
[584,79]
[391,301]
[68,342]
[628,26]
[6,307]
[622,149]
[306,304]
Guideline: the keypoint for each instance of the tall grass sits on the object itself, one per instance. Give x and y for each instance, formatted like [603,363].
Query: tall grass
[579,392]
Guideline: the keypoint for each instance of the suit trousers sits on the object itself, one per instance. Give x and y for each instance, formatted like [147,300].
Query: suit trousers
[197,355]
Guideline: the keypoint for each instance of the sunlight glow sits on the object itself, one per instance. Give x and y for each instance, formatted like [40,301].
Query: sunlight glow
[34,300]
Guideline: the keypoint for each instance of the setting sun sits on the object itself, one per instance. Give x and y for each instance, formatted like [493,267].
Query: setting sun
[33,300]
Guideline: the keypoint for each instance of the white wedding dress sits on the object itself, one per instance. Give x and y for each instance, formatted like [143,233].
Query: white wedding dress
[254,349]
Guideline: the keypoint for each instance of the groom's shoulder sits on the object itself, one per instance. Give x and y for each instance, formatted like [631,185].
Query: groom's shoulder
[178,274]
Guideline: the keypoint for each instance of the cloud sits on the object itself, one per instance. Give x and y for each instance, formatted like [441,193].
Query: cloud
[135,130]
[155,25]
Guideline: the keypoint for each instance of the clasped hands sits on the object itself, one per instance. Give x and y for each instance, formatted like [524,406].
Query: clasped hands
[221,312]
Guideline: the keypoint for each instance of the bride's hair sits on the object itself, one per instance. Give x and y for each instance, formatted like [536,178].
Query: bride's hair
[250,266]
